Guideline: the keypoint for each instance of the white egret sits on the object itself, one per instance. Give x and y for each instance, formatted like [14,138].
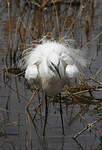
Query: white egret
[50,66]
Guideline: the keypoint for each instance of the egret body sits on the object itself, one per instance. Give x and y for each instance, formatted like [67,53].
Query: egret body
[51,65]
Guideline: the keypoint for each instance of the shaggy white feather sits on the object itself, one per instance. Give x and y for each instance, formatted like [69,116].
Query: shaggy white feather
[72,71]
[52,64]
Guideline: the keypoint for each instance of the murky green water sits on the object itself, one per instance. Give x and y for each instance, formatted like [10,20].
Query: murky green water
[27,22]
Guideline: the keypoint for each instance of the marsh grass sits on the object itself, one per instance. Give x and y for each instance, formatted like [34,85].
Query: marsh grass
[56,20]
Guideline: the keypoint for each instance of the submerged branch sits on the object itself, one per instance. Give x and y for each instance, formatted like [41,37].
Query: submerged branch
[88,127]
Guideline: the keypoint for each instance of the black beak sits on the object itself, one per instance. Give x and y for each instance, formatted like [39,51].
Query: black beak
[57,70]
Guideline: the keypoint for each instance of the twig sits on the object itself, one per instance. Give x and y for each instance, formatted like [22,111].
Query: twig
[65,21]
[57,17]
[90,89]
[30,100]
[88,127]
[10,31]
[98,89]
[21,73]
[73,22]
[98,72]
[84,91]
[97,36]
[93,79]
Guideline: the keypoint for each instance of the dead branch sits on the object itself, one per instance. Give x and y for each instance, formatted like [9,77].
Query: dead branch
[88,127]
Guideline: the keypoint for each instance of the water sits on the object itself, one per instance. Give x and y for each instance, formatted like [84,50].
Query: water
[17,129]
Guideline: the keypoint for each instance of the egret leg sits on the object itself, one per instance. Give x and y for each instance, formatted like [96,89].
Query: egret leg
[30,100]
[46,114]
[61,113]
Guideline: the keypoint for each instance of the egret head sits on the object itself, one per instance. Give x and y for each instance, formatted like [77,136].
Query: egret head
[55,69]
[54,64]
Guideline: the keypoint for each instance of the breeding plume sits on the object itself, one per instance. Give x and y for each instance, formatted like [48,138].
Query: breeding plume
[51,65]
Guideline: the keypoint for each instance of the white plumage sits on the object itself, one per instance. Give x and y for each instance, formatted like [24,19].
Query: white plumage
[51,65]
